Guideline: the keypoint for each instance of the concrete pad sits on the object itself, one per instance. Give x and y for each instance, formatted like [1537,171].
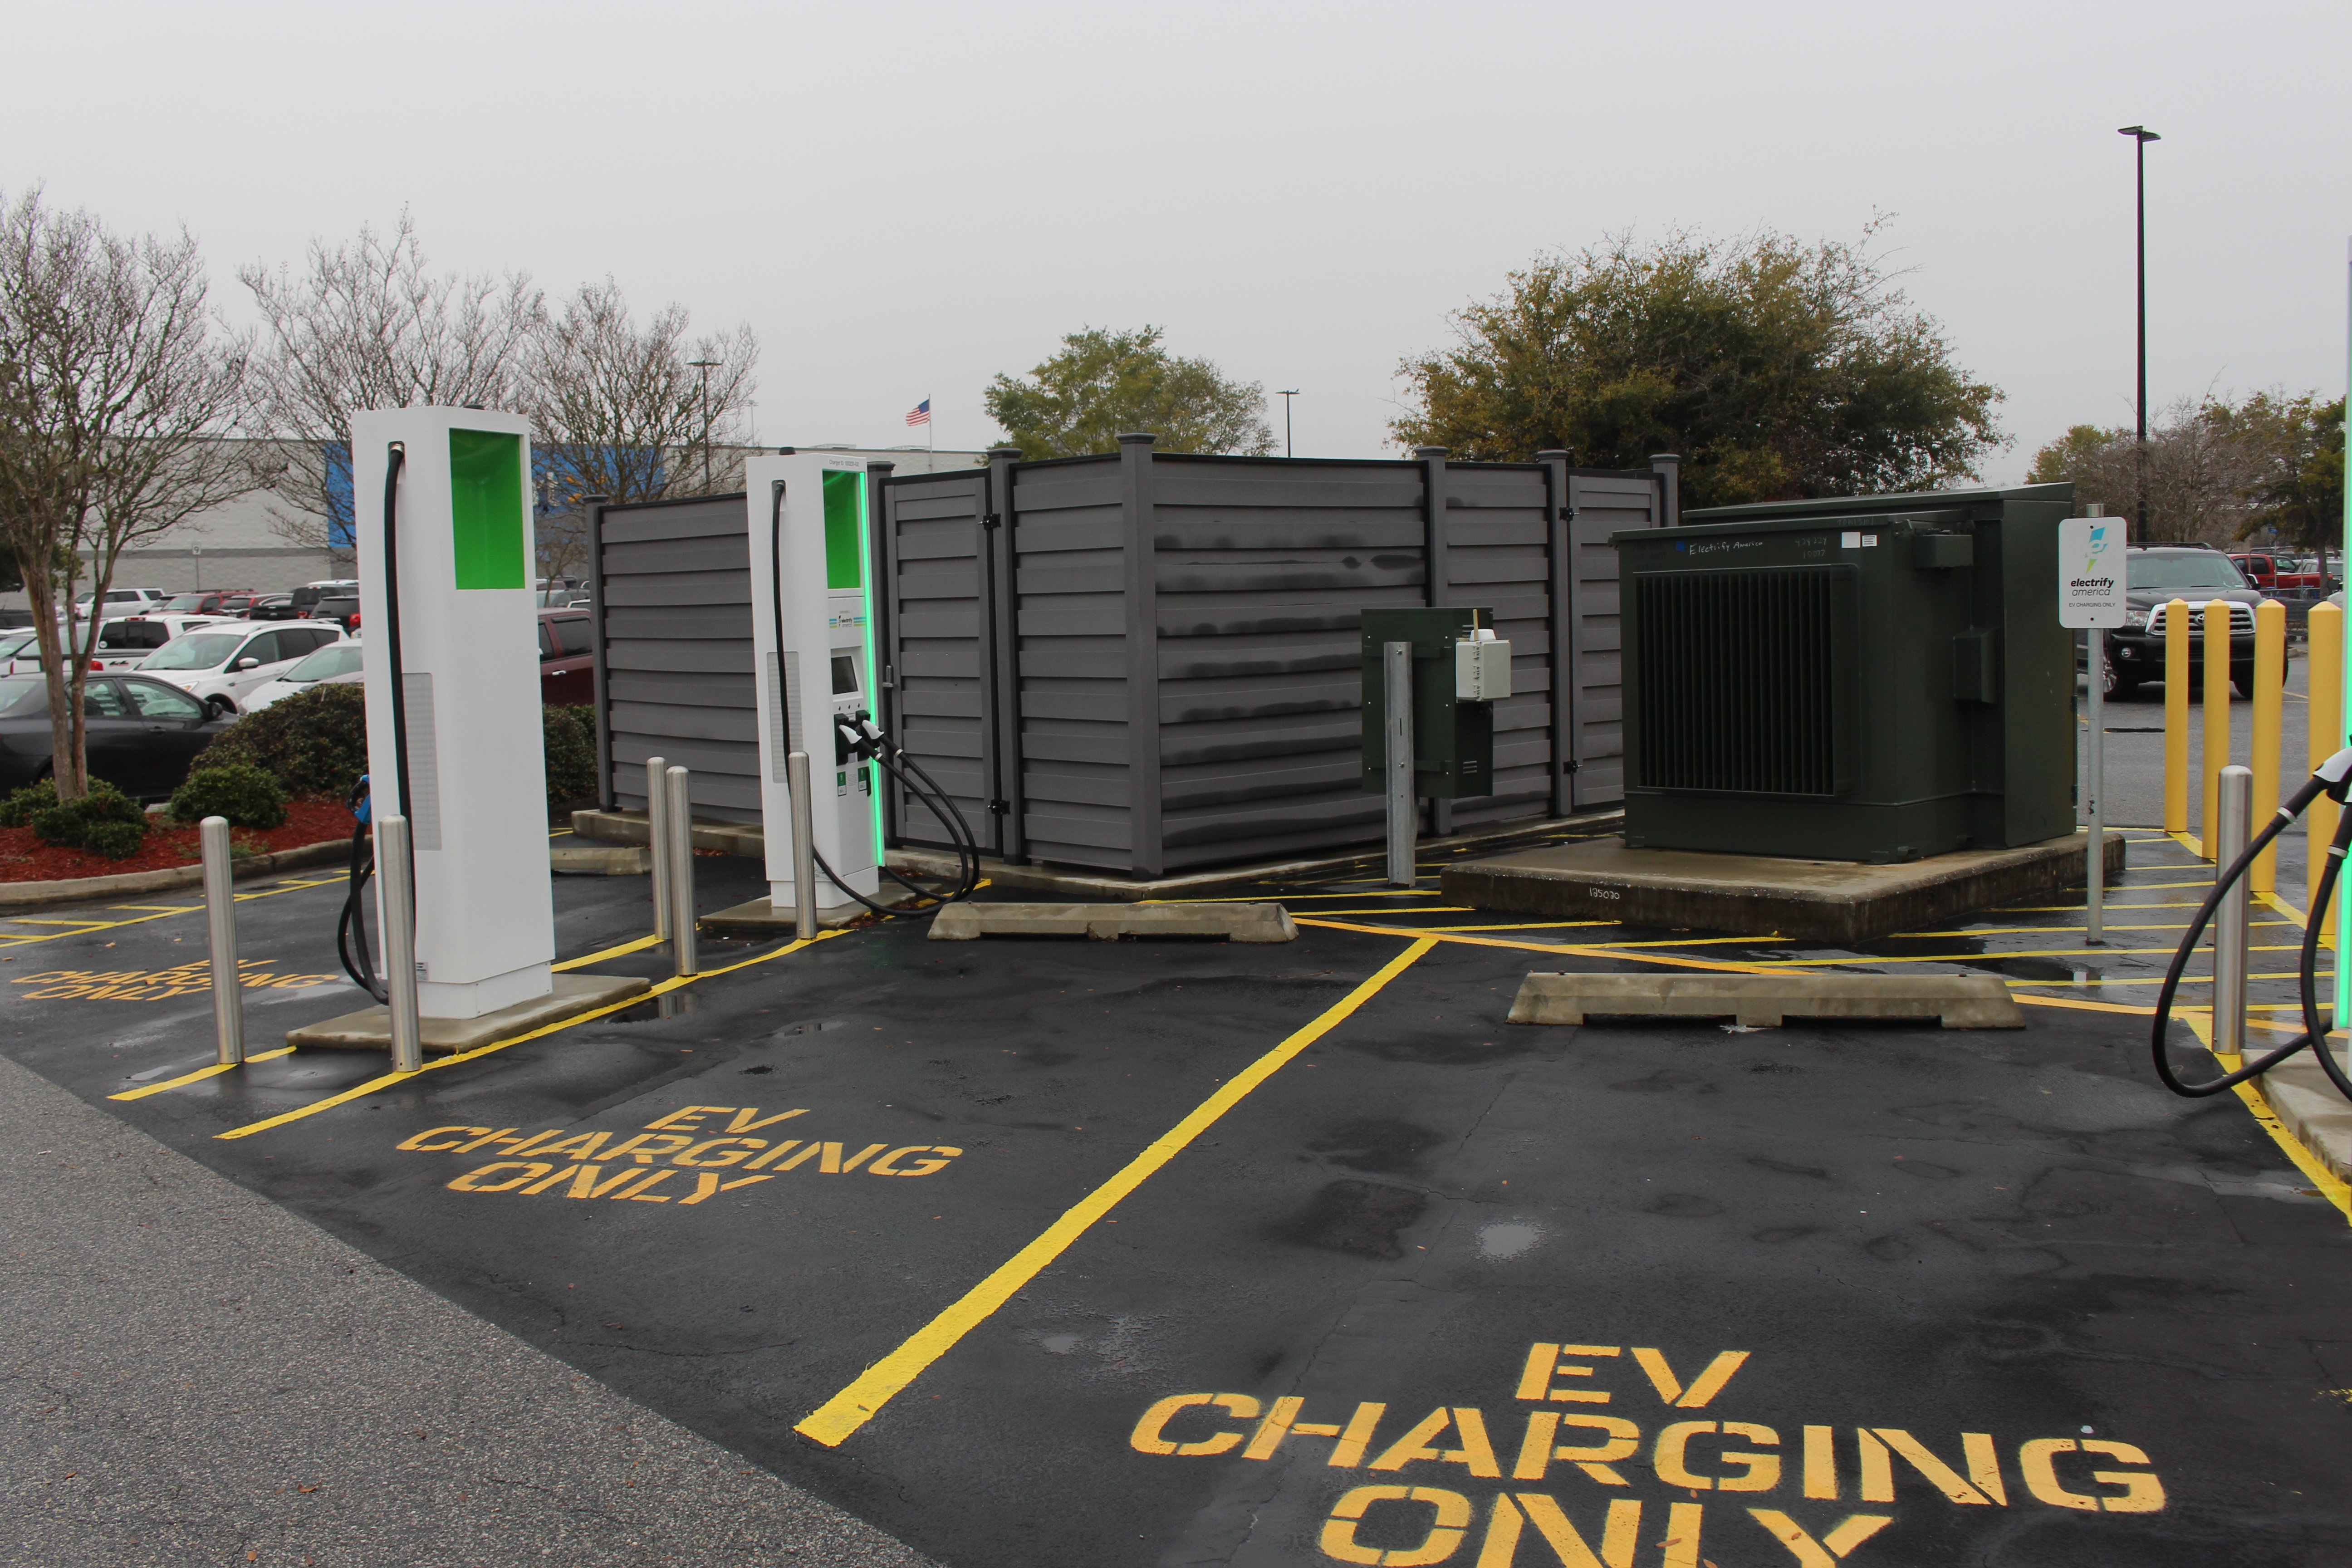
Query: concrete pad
[1762,895]
[1108,922]
[2308,1105]
[1960,1001]
[765,917]
[742,839]
[594,860]
[370,1028]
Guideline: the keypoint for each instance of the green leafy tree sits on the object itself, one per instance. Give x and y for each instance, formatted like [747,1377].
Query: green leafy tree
[1776,369]
[2303,499]
[1103,384]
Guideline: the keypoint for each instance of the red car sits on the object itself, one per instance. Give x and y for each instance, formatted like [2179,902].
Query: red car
[567,659]
[2262,572]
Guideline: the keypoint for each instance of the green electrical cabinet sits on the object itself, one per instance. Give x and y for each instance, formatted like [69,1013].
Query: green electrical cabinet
[1871,678]
[1454,740]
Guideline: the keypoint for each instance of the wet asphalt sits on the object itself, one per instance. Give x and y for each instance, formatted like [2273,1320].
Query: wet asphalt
[1879,1295]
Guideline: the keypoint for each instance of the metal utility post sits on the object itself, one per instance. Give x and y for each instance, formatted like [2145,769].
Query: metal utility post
[706,366]
[220,922]
[2229,921]
[2091,583]
[796,782]
[396,915]
[685,959]
[1285,397]
[657,838]
[2141,136]
[1405,808]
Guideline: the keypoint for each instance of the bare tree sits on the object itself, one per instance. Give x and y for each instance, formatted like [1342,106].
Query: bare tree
[118,395]
[632,414]
[2209,463]
[368,325]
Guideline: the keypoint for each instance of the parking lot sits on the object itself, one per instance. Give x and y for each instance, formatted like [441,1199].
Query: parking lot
[1182,1252]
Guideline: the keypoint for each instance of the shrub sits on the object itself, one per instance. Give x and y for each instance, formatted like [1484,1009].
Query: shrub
[314,743]
[571,754]
[246,794]
[115,840]
[78,823]
[17,811]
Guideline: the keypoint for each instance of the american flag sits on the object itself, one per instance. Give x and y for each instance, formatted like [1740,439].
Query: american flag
[921,414]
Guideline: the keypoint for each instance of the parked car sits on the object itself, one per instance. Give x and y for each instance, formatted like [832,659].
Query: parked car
[271,608]
[567,659]
[20,653]
[334,665]
[221,665]
[2156,574]
[2278,573]
[121,599]
[122,644]
[343,610]
[142,733]
[310,594]
[206,602]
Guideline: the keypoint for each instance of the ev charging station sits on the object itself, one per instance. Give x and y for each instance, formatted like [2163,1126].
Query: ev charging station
[813,662]
[456,746]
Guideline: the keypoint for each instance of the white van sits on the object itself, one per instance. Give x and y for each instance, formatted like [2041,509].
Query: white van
[222,664]
[122,644]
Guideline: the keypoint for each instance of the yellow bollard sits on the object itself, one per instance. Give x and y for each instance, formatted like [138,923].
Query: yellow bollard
[2326,660]
[2217,719]
[2176,716]
[2270,694]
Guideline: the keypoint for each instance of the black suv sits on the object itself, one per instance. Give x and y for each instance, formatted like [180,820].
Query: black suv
[2156,574]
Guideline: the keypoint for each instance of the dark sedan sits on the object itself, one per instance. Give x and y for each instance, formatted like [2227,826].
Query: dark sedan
[272,607]
[143,734]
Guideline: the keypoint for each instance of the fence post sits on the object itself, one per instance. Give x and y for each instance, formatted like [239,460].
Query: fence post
[220,921]
[682,944]
[2176,716]
[2325,655]
[2217,720]
[2269,738]
[657,838]
[2231,820]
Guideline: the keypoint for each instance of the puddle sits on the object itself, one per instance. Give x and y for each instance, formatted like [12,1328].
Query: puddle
[1508,1239]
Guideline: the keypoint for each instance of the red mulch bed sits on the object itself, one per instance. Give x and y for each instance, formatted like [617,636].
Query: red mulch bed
[25,859]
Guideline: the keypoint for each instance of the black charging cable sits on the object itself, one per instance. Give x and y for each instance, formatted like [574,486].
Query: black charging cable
[2334,780]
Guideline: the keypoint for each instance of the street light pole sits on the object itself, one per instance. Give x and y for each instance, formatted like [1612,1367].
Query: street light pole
[2141,136]
[704,365]
[1285,397]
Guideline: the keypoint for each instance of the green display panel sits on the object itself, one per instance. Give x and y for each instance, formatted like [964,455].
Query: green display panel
[844,537]
[485,510]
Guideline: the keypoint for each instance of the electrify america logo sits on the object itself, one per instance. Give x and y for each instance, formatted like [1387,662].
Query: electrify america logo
[2099,547]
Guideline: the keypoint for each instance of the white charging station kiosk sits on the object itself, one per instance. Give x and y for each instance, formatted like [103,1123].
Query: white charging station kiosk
[813,658]
[467,624]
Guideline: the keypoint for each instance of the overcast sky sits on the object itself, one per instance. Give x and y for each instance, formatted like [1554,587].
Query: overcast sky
[905,199]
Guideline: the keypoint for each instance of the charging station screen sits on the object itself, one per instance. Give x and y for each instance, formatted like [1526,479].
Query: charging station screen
[485,508]
[843,539]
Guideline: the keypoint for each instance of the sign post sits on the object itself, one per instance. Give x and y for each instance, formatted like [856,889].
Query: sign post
[2091,600]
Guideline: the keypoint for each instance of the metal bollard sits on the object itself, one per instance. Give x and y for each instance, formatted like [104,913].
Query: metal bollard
[2270,699]
[2326,714]
[681,875]
[796,784]
[2236,815]
[396,916]
[1404,806]
[220,922]
[657,838]
[2217,720]
[2176,716]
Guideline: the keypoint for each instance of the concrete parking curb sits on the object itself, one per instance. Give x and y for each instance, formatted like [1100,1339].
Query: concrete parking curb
[34,895]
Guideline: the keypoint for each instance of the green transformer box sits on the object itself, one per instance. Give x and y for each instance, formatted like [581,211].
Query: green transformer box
[1874,678]
[1459,670]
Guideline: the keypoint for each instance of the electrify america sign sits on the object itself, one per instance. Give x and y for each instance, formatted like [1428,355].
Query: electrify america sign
[2091,573]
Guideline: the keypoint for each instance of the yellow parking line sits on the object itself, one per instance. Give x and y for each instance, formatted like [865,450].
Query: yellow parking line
[200,1074]
[840,1416]
[85,927]
[389,1079]
[639,945]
